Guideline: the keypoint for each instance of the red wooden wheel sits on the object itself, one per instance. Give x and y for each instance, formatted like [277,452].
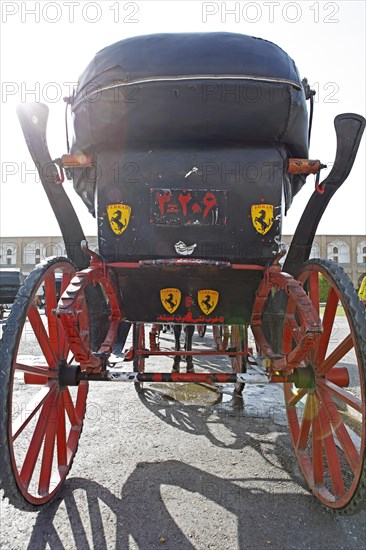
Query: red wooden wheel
[138,344]
[327,419]
[41,419]
[239,342]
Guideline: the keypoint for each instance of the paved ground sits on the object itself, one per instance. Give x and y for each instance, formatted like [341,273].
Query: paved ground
[183,468]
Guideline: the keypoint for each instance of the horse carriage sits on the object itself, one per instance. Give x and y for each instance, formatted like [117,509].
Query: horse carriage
[188,149]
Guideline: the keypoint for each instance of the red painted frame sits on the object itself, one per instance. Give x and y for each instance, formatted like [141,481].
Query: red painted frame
[278,368]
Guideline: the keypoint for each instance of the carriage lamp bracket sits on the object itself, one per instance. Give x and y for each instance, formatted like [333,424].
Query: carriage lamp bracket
[95,258]
[96,261]
[280,255]
[61,176]
[320,187]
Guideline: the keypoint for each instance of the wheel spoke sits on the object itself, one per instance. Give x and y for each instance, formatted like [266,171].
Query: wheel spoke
[345,441]
[328,323]
[37,369]
[41,335]
[70,409]
[306,422]
[64,344]
[50,297]
[35,444]
[66,279]
[317,443]
[314,289]
[33,406]
[341,394]
[331,454]
[296,397]
[49,450]
[80,402]
[61,437]
[294,424]
[344,347]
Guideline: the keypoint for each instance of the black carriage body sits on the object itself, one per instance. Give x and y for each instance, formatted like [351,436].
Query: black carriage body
[221,203]
[218,204]
[187,294]
[190,135]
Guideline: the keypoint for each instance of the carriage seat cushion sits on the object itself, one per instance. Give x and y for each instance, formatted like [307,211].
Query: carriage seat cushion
[190,86]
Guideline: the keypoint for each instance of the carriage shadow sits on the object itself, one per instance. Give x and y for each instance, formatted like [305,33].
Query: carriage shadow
[166,503]
[140,509]
[139,517]
[222,420]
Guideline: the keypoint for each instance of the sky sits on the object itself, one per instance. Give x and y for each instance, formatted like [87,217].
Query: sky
[46,45]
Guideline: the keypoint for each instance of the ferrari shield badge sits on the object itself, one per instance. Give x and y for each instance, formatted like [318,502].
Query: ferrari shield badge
[118,216]
[262,217]
[170,298]
[207,300]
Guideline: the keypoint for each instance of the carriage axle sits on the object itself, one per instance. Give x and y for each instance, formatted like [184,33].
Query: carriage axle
[303,377]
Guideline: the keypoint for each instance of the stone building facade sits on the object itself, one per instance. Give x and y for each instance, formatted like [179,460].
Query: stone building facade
[26,252]
[349,251]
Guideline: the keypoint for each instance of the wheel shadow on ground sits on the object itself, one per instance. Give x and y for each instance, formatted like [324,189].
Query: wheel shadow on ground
[228,413]
[162,504]
[141,514]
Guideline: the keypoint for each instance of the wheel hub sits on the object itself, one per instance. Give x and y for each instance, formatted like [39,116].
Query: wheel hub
[304,377]
[68,375]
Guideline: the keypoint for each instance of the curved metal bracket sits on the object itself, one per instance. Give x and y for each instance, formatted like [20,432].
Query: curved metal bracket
[349,128]
[33,120]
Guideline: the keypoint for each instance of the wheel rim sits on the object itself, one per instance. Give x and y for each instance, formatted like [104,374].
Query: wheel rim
[44,418]
[327,421]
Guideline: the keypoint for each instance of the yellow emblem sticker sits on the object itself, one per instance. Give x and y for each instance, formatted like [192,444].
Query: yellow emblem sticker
[207,300]
[170,298]
[119,216]
[262,217]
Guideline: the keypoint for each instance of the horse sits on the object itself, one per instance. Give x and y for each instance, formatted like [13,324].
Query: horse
[189,331]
